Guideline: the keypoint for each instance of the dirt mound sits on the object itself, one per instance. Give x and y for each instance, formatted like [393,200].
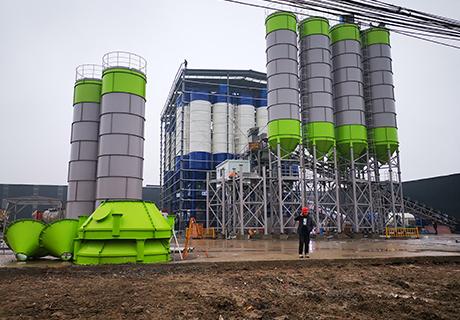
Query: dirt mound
[424,288]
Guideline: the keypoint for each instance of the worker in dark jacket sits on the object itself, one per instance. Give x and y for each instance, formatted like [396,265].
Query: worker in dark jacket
[304,229]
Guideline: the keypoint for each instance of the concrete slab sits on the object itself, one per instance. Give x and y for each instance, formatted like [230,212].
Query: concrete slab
[275,249]
[220,250]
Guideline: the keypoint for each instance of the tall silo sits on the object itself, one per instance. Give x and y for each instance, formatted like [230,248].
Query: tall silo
[244,120]
[200,130]
[223,146]
[380,101]
[81,193]
[282,82]
[316,85]
[182,130]
[121,133]
[261,111]
[347,73]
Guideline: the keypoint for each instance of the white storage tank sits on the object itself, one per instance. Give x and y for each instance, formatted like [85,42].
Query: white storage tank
[223,146]
[245,120]
[262,112]
[200,130]
[182,132]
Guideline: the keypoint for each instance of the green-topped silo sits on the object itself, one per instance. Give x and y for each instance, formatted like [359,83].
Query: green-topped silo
[379,92]
[316,85]
[121,134]
[348,89]
[81,194]
[282,82]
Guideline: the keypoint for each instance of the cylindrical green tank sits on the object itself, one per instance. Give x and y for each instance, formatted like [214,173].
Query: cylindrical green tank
[348,88]
[282,82]
[58,238]
[380,101]
[316,85]
[22,236]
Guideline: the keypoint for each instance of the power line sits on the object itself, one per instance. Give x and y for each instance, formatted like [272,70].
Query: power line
[425,39]
[418,25]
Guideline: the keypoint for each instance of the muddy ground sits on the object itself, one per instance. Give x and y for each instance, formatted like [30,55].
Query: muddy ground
[398,288]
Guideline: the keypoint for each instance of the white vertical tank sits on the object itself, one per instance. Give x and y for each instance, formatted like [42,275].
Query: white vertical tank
[223,146]
[182,131]
[245,120]
[262,112]
[200,130]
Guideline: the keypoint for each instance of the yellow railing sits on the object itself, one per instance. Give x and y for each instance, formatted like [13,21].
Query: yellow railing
[209,233]
[401,232]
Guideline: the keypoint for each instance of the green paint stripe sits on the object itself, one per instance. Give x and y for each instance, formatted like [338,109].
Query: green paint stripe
[319,134]
[281,21]
[319,131]
[123,80]
[314,25]
[351,134]
[345,31]
[375,36]
[87,90]
[284,127]
[383,140]
[286,132]
[384,136]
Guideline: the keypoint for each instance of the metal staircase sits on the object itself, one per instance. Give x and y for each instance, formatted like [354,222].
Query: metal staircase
[423,211]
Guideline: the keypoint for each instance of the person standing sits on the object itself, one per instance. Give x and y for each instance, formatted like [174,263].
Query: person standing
[303,230]
[435,227]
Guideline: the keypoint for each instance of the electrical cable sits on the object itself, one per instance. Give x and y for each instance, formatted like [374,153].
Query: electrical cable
[393,22]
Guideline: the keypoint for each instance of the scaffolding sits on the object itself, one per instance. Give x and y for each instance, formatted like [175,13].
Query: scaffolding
[183,189]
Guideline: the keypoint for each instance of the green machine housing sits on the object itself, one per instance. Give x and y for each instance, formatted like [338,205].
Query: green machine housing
[123,232]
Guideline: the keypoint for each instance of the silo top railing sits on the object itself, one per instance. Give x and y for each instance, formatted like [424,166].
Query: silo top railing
[124,59]
[88,71]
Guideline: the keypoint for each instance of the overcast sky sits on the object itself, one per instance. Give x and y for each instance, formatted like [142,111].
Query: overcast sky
[43,41]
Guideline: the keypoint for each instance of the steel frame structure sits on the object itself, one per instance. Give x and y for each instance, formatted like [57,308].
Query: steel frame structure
[180,183]
[238,204]
[347,194]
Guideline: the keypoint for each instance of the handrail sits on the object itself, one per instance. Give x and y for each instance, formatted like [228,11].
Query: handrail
[88,71]
[124,59]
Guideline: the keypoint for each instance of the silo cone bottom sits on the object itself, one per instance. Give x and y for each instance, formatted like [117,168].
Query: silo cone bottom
[124,232]
[22,236]
[58,237]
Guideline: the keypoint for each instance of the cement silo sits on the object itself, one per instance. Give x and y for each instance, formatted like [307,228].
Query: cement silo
[316,85]
[182,129]
[81,194]
[244,120]
[380,101]
[121,133]
[200,130]
[282,82]
[223,146]
[350,122]
[261,111]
